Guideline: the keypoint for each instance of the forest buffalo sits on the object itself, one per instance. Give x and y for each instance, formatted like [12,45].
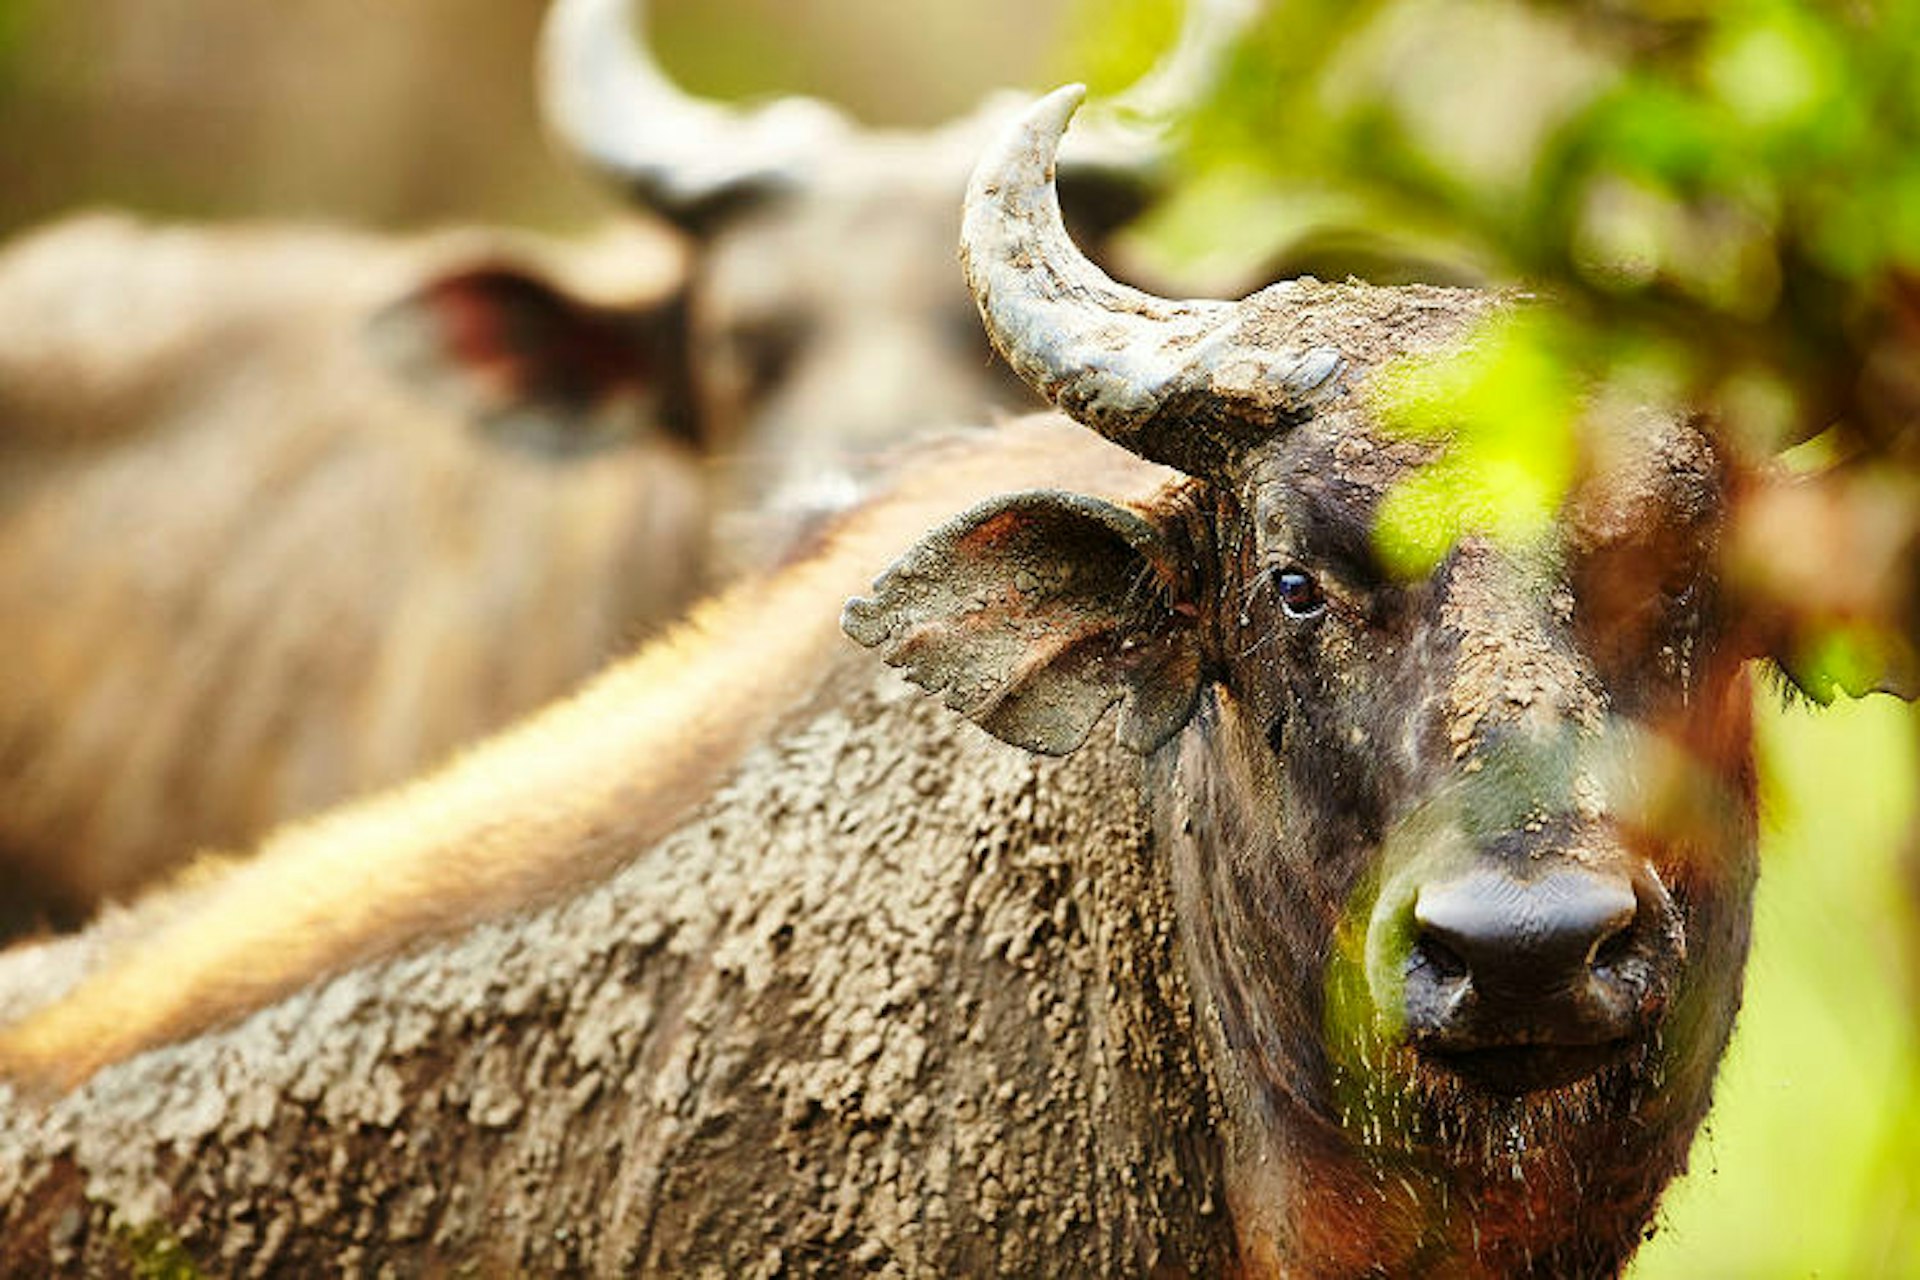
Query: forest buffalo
[1398,930]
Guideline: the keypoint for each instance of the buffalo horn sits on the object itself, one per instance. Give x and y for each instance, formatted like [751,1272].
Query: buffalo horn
[607,101]
[1187,384]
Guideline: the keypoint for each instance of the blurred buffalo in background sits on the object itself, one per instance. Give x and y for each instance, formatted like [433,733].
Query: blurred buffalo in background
[290,514]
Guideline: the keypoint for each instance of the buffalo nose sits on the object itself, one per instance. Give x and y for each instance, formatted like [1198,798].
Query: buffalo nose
[1525,936]
[1501,958]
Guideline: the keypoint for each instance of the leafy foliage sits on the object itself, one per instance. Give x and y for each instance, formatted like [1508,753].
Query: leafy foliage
[1509,473]
[1722,202]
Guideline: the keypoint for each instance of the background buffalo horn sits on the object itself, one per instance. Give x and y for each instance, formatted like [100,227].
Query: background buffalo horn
[1187,384]
[609,102]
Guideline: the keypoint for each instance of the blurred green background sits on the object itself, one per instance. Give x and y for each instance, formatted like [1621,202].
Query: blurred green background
[1755,202]
[1810,1163]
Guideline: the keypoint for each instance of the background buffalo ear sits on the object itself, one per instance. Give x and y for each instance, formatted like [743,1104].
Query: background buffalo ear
[535,368]
[1034,613]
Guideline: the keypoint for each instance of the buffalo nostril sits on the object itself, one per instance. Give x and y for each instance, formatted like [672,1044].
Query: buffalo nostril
[1524,938]
[1611,950]
[1436,960]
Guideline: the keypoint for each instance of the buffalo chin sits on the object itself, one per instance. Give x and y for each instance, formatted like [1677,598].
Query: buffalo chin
[1529,1068]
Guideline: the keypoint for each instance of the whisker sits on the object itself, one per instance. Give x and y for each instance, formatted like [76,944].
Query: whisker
[1146,585]
[1272,634]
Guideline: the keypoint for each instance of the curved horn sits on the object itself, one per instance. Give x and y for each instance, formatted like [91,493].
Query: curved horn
[607,101]
[1187,384]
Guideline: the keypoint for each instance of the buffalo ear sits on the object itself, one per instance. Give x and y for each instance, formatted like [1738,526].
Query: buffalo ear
[1034,613]
[1856,662]
[535,368]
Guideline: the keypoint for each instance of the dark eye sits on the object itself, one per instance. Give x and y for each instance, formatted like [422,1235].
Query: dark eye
[1300,596]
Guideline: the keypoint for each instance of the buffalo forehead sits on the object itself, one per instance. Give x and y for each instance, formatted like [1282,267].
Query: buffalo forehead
[1341,453]
[1368,325]
[1644,468]
[1318,485]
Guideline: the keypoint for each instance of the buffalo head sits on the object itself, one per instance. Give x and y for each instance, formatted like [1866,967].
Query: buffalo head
[1467,960]
[825,324]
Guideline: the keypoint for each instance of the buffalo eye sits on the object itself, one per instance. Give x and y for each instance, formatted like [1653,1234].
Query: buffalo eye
[1300,596]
